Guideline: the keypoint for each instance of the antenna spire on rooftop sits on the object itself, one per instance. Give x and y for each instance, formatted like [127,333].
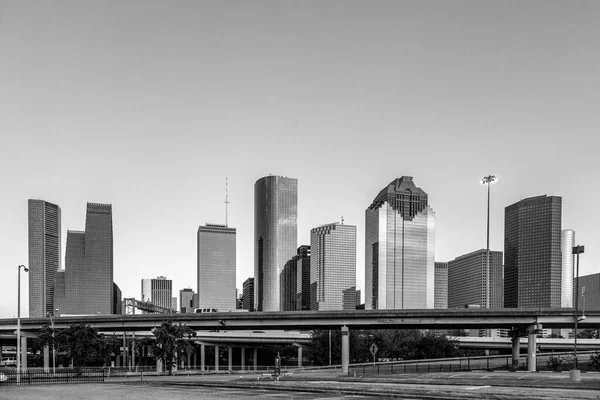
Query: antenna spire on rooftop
[226,201]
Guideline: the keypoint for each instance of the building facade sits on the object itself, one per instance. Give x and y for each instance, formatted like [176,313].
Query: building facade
[467,280]
[399,248]
[89,264]
[275,236]
[186,301]
[158,291]
[303,278]
[248,294]
[216,267]
[440,285]
[589,292]
[333,267]
[532,253]
[567,240]
[44,242]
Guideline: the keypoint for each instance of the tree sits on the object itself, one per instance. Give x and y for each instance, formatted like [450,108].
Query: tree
[170,341]
[82,343]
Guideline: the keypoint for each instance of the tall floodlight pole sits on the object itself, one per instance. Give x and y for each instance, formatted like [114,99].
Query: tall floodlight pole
[488,180]
[577,250]
[19,322]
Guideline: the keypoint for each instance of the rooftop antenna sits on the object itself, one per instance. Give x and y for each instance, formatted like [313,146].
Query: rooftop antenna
[342,220]
[226,201]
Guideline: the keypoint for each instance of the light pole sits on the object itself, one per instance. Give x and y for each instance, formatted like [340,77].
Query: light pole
[19,321]
[488,180]
[51,315]
[577,250]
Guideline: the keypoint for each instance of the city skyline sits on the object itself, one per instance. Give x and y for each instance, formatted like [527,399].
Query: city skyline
[150,114]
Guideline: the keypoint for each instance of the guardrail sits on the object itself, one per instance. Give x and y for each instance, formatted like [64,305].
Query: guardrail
[40,377]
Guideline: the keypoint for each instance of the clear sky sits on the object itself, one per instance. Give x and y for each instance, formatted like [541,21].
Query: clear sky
[149,106]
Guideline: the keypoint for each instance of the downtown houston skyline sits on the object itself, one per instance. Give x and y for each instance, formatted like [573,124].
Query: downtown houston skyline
[150,111]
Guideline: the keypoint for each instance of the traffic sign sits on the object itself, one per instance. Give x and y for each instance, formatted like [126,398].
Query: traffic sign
[374,349]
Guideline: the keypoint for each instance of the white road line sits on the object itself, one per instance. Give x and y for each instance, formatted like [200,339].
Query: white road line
[452,376]
[485,376]
[523,377]
[477,387]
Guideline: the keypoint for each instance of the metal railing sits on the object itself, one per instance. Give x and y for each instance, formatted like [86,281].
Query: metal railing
[41,377]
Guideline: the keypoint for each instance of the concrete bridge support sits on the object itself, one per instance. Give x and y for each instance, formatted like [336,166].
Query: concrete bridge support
[202,357]
[216,358]
[345,349]
[515,352]
[531,351]
[46,359]
[243,358]
[23,354]
[230,358]
[299,356]
[255,359]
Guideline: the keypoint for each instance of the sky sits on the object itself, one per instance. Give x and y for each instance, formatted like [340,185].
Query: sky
[150,105]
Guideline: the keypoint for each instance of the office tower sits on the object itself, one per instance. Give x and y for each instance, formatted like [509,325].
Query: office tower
[333,267]
[532,253]
[239,304]
[158,292]
[588,292]
[567,240]
[248,294]
[399,248]
[60,306]
[89,264]
[288,286]
[275,236]
[440,290]
[216,267]
[358,297]
[44,255]
[174,304]
[303,278]
[467,280]
[186,301]
[117,300]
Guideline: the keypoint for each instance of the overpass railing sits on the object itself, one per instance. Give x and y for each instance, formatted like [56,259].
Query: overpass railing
[37,376]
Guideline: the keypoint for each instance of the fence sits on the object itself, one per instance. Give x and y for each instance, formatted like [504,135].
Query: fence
[40,377]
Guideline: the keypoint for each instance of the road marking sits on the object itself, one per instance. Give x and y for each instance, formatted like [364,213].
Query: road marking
[522,377]
[477,387]
[452,376]
[485,376]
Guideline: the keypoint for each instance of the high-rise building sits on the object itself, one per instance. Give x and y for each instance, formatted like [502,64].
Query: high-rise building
[60,306]
[174,304]
[275,236]
[216,267]
[288,285]
[117,300]
[44,256]
[248,294]
[333,267]
[532,253]
[158,291]
[186,301]
[467,280]
[567,240]
[89,264]
[588,292]
[303,278]
[440,290]
[399,248]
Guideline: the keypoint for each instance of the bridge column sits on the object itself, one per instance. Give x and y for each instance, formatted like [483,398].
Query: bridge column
[531,350]
[46,359]
[345,349]
[515,352]
[202,356]
[195,356]
[299,356]
[255,359]
[230,358]
[217,358]
[189,360]
[23,354]
[243,358]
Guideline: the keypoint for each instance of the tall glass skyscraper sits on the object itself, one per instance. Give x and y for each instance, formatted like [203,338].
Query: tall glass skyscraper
[440,292]
[333,267]
[216,267]
[89,264]
[275,236]
[532,253]
[399,248]
[44,255]
[567,240]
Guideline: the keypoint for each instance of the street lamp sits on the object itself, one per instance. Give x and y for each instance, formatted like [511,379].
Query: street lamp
[488,180]
[19,321]
[577,250]
[51,315]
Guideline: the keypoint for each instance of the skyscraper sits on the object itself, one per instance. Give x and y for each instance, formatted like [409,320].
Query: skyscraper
[186,301]
[216,267]
[158,292]
[303,278]
[333,267]
[44,255]
[399,248]
[288,285]
[567,240]
[89,264]
[248,294]
[440,291]
[275,236]
[467,280]
[532,253]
